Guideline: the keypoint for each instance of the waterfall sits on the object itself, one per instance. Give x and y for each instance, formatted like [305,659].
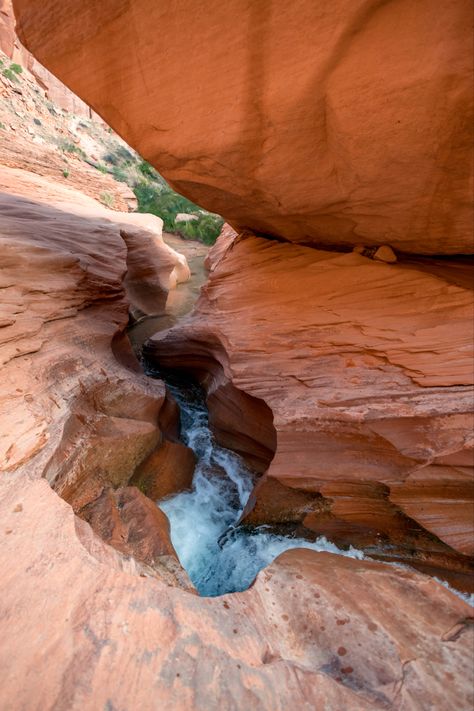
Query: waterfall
[219,558]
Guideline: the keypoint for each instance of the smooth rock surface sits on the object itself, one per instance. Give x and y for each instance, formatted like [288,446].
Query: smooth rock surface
[74,406]
[334,123]
[166,471]
[366,369]
[86,625]
[131,523]
[86,631]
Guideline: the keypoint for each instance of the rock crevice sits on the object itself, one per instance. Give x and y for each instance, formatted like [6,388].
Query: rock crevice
[367,371]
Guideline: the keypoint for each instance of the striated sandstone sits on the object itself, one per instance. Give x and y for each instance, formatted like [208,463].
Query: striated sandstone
[365,369]
[55,90]
[89,625]
[314,631]
[41,159]
[333,124]
[131,523]
[74,405]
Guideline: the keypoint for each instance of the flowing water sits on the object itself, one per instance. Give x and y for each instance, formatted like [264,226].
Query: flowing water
[219,558]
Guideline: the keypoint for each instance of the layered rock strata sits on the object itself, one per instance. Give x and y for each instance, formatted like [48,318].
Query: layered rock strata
[323,123]
[75,408]
[12,47]
[365,371]
[109,638]
[89,625]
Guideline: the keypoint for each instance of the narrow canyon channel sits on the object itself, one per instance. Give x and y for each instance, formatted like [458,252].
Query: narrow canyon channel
[220,555]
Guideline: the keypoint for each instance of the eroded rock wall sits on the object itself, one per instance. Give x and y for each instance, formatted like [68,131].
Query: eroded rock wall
[315,630]
[111,621]
[75,407]
[366,369]
[12,47]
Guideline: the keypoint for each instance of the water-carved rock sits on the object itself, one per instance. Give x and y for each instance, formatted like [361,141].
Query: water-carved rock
[323,123]
[366,368]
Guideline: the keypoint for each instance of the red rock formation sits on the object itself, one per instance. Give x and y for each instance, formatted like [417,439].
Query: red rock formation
[366,368]
[166,471]
[91,625]
[130,522]
[327,123]
[19,152]
[315,629]
[70,409]
[36,136]
[56,91]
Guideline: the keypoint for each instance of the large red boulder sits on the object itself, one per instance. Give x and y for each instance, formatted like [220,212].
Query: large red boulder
[325,123]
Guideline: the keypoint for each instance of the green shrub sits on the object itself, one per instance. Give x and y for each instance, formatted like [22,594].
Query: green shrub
[9,74]
[107,199]
[66,173]
[17,68]
[119,174]
[101,168]
[165,203]
[69,147]
[147,170]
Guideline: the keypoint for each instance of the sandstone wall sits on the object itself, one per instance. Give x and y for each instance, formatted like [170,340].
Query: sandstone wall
[55,89]
[326,123]
[86,625]
[366,372]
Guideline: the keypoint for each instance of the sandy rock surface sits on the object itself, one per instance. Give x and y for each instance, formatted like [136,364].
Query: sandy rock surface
[90,626]
[63,306]
[86,631]
[365,371]
[324,123]
[12,47]
[37,136]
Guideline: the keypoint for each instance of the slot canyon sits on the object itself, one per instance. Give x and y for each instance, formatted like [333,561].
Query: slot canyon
[236,341]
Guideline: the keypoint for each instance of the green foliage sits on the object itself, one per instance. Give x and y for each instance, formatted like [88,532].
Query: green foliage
[165,203]
[206,229]
[2,126]
[12,71]
[107,199]
[154,195]
[69,147]
[147,170]
[66,173]
[9,74]
[101,168]
[119,174]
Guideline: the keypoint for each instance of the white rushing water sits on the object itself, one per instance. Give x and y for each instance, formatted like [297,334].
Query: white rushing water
[218,558]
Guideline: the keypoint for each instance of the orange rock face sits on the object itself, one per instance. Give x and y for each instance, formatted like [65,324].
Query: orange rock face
[88,625]
[131,523]
[74,407]
[55,89]
[166,471]
[366,372]
[315,630]
[328,123]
